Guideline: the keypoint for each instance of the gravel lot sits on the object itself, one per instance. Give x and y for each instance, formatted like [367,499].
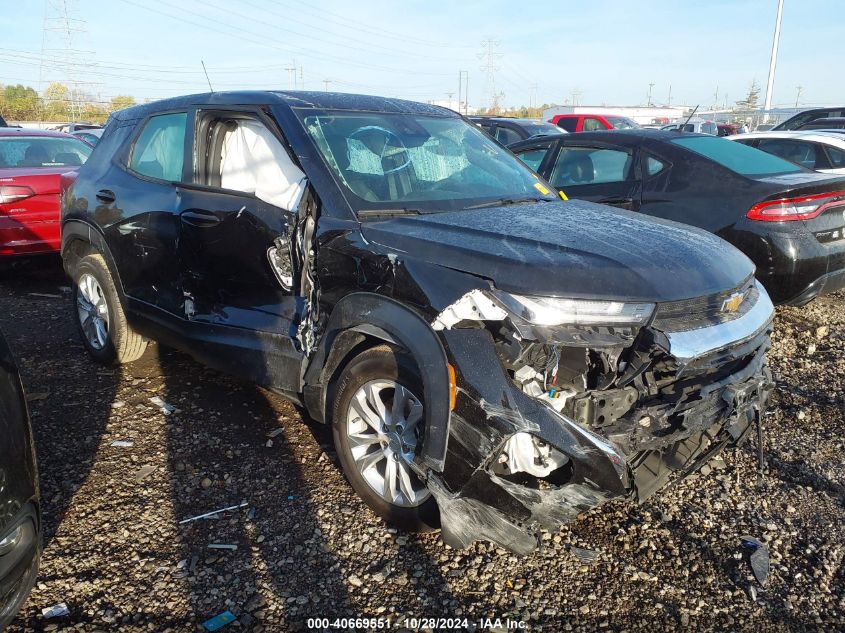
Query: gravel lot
[116,555]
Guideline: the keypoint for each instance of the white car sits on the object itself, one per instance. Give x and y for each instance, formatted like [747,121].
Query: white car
[819,150]
[699,126]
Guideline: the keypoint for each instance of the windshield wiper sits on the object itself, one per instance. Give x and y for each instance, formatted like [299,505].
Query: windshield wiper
[364,214]
[501,202]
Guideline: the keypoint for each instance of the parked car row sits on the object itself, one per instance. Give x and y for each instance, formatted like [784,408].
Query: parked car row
[492,359]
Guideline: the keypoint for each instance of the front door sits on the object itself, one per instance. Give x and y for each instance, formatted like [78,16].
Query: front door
[237,274]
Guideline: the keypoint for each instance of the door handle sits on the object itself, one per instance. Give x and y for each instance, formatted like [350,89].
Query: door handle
[106,196]
[200,219]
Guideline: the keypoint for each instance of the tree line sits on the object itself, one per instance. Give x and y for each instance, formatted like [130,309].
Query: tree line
[56,103]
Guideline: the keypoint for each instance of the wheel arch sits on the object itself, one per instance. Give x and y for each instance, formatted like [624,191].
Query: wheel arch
[80,238]
[362,320]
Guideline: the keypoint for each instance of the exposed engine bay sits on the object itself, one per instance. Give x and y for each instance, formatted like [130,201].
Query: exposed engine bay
[630,415]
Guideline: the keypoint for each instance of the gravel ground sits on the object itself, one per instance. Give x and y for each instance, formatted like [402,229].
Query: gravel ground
[115,553]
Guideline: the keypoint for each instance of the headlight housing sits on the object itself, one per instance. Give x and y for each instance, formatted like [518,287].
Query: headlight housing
[554,311]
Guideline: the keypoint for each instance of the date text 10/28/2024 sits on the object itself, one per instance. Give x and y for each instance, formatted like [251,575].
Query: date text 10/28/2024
[416,624]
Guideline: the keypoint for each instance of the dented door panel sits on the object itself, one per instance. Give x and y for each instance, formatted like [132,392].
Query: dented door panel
[227,274]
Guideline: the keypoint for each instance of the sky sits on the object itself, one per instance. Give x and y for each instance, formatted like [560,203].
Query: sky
[600,52]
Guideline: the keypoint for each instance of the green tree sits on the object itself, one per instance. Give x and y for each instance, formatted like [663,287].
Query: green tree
[56,102]
[20,103]
[121,102]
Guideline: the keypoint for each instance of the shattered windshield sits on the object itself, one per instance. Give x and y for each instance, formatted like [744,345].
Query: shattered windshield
[390,161]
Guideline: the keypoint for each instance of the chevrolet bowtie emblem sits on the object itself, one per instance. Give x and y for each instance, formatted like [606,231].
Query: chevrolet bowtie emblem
[732,303]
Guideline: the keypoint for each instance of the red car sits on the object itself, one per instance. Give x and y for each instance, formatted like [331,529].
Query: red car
[593,122]
[31,165]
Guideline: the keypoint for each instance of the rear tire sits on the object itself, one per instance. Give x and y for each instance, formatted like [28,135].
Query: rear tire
[377,423]
[99,315]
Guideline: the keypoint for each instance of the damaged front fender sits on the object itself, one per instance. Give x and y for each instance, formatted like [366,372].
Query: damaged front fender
[475,502]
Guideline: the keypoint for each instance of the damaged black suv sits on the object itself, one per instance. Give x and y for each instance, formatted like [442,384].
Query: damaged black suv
[492,359]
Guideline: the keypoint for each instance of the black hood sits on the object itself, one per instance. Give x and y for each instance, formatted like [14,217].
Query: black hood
[574,248]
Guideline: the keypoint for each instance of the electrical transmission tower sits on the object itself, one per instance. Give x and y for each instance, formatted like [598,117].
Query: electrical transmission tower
[61,60]
[490,57]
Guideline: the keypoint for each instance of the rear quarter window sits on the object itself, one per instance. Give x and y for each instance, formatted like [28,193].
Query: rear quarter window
[159,151]
[739,158]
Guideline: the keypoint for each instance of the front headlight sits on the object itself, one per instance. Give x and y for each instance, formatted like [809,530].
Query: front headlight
[552,311]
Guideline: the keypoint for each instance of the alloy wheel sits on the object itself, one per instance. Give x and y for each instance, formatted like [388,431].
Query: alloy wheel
[93,311]
[383,429]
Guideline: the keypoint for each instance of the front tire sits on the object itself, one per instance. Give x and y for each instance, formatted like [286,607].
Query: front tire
[99,315]
[377,424]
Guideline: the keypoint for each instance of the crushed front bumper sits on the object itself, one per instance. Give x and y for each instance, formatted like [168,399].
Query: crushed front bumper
[476,503]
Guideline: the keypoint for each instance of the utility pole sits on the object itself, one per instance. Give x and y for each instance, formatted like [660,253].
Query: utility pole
[716,98]
[463,88]
[449,97]
[576,94]
[650,87]
[798,95]
[291,75]
[327,82]
[770,85]
[301,77]
[60,23]
[532,96]
[490,55]
[669,101]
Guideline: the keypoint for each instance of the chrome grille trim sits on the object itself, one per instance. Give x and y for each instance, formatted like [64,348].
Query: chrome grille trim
[689,344]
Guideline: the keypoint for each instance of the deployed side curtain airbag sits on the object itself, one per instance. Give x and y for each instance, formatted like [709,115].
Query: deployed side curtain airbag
[254,161]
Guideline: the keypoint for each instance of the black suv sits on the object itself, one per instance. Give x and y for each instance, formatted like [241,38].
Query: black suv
[20,517]
[492,359]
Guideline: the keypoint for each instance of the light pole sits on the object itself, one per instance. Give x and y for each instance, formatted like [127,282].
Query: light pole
[771,83]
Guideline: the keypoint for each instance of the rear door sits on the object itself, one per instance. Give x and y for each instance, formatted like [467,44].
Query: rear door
[136,201]
[596,171]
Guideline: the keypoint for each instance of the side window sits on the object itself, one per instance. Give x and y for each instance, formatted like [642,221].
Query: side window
[836,156]
[798,152]
[591,125]
[534,157]
[159,151]
[654,166]
[590,166]
[570,124]
[506,136]
[487,127]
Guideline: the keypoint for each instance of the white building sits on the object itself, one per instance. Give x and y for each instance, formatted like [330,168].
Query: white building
[642,115]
